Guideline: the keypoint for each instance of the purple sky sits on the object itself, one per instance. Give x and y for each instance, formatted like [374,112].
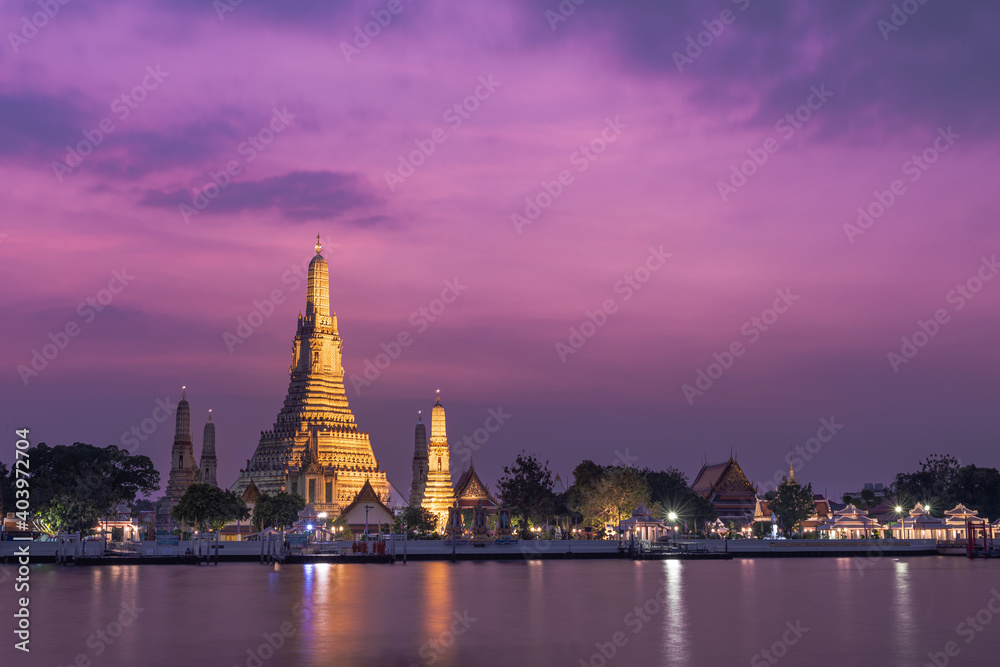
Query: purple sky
[642,138]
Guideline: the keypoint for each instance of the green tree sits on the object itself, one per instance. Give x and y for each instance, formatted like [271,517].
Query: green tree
[278,510]
[7,486]
[74,486]
[933,484]
[868,498]
[585,476]
[978,489]
[792,504]
[526,488]
[619,491]
[670,490]
[417,519]
[209,508]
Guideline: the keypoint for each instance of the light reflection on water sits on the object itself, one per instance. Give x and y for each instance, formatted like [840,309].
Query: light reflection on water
[518,613]
[675,628]
[902,602]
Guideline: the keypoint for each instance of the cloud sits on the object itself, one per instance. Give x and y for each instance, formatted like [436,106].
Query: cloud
[300,196]
[938,68]
[35,123]
[38,127]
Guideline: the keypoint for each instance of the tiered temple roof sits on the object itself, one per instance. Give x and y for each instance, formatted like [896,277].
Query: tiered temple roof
[728,489]
[471,492]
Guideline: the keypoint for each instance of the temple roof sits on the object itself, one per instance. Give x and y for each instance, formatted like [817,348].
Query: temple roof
[251,494]
[962,511]
[642,511]
[849,518]
[367,494]
[708,476]
[557,485]
[722,478]
[470,488]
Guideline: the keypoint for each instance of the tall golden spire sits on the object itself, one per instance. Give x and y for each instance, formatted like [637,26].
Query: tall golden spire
[439,431]
[318,286]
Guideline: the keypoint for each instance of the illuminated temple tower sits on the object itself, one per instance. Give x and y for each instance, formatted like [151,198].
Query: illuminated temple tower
[438,492]
[208,462]
[419,463]
[183,469]
[315,449]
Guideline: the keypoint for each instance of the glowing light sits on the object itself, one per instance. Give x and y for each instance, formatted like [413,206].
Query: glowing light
[309,526]
[321,515]
[899,509]
[672,516]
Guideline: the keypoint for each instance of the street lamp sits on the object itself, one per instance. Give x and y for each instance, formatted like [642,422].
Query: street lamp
[899,512]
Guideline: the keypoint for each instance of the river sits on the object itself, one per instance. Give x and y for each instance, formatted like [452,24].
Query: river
[802,611]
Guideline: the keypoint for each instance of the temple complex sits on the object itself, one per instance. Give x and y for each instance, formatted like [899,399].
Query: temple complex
[728,489]
[314,449]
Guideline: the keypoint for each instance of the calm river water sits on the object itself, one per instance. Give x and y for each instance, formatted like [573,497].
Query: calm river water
[810,611]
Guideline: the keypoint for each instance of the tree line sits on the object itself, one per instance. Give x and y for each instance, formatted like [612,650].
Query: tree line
[74,487]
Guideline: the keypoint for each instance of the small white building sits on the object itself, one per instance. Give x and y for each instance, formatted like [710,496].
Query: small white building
[921,525]
[849,523]
[642,526]
[367,514]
